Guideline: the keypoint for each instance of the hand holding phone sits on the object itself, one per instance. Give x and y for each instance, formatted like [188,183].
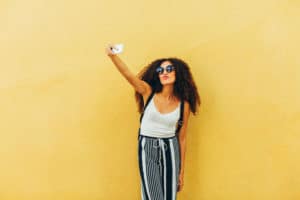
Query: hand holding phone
[117,48]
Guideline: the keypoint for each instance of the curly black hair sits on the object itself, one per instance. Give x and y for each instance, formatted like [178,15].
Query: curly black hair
[184,86]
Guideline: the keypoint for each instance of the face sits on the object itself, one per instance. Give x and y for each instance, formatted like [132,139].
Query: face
[167,77]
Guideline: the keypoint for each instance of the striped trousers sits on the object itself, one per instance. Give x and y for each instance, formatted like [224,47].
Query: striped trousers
[159,166]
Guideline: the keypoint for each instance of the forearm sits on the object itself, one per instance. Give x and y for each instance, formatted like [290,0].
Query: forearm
[182,145]
[139,85]
[121,66]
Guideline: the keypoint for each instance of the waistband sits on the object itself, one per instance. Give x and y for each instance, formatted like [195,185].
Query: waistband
[159,143]
[151,137]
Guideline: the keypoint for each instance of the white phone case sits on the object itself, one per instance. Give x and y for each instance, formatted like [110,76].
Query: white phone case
[118,48]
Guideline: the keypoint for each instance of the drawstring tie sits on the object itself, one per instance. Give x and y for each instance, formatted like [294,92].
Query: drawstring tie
[161,144]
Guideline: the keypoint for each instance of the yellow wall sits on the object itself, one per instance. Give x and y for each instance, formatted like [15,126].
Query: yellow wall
[69,120]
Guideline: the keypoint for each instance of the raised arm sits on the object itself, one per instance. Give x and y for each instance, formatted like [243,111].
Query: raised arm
[139,85]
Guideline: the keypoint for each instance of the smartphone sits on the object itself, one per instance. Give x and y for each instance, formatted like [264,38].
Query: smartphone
[118,48]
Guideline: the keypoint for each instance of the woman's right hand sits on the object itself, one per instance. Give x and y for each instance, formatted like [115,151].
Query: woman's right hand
[108,50]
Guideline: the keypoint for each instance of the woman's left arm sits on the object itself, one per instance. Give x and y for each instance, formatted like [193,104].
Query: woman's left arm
[182,135]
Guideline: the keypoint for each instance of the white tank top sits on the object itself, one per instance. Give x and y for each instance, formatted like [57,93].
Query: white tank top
[156,124]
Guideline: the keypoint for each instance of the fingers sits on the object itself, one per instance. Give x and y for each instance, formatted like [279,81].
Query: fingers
[180,185]
[109,49]
[179,188]
[111,46]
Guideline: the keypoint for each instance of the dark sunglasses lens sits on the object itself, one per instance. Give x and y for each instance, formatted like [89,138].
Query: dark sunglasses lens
[170,68]
[159,70]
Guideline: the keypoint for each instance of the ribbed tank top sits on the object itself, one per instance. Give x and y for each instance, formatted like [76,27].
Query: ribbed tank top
[156,124]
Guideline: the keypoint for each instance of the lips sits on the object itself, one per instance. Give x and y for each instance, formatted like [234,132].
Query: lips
[165,77]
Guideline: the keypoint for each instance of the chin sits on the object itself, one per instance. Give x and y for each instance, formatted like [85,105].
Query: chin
[167,82]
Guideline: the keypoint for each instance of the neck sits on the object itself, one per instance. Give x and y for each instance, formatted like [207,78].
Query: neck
[167,92]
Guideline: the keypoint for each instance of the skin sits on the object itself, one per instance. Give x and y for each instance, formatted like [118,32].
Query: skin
[164,101]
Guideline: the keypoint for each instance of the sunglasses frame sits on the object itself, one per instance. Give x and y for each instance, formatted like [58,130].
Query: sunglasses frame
[168,69]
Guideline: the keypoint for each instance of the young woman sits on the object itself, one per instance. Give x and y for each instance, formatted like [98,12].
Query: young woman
[166,94]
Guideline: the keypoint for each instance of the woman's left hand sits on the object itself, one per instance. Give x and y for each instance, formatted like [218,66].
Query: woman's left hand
[180,182]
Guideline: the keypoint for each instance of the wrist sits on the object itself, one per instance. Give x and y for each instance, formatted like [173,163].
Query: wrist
[112,55]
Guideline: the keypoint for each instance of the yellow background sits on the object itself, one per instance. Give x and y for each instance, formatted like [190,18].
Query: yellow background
[69,120]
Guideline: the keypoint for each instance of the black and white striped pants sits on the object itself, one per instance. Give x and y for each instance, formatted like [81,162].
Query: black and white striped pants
[159,166]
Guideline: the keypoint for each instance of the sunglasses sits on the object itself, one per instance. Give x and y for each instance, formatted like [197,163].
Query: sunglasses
[169,69]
